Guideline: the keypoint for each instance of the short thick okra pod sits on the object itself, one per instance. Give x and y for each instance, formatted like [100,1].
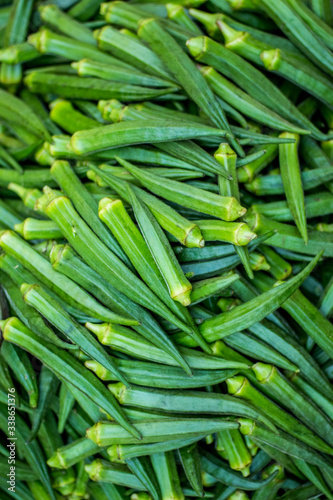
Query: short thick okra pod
[56,359]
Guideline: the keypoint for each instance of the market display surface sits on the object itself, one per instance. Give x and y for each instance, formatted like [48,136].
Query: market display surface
[166,244]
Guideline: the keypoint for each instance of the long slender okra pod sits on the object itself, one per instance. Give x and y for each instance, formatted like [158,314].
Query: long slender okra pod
[190,459]
[292,182]
[166,471]
[84,203]
[240,387]
[35,296]
[53,357]
[181,67]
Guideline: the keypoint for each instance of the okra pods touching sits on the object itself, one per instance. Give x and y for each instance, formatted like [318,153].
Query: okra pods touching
[166,244]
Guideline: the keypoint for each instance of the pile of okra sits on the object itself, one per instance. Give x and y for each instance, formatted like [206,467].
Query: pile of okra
[166,250]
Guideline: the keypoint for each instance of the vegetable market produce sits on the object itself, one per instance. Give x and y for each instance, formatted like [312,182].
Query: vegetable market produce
[166,249]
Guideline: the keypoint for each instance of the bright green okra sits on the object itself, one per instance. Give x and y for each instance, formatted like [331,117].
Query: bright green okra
[104,471]
[69,119]
[35,229]
[58,283]
[18,53]
[63,363]
[35,296]
[204,289]
[224,207]
[155,431]
[240,387]
[167,474]
[182,67]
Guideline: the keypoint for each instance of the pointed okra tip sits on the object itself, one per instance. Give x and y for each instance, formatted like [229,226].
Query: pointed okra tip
[196,46]
[263,372]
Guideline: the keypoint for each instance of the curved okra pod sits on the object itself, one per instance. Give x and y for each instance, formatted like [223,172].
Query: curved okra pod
[126,341]
[281,390]
[250,80]
[314,475]
[254,310]
[190,460]
[35,296]
[181,66]
[89,67]
[224,207]
[292,183]
[283,442]
[137,132]
[35,229]
[240,387]
[184,401]
[84,203]
[58,283]
[56,359]
[220,470]
[153,375]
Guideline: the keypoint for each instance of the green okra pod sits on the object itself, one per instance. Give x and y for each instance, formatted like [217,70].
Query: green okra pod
[9,217]
[35,229]
[292,183]
[23,371]
[126,341]
[68,455]
[32,453]
[238,455]
[28,196]
[106,262]
[312,473]
[288,237]
[137,132]
[226,208]
[181,67]
[195,402]
[27,315]
[84,203]
[18,53]
[282,390]
[202,290]
[250,80]
[165,467]
[237,233]
[160,249]
[56,359]
[104,471]
[297,30]
[190,460]
[253,311]
[179,15]
[69,119]
[132,51]
[143,470]
[153,375]
[319,399]
[240,387]
[58,283]
[61,21]
[155,431]
[282,442]
[88,67]
[70,86]
[35,296]
[279,268]
[220,470]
